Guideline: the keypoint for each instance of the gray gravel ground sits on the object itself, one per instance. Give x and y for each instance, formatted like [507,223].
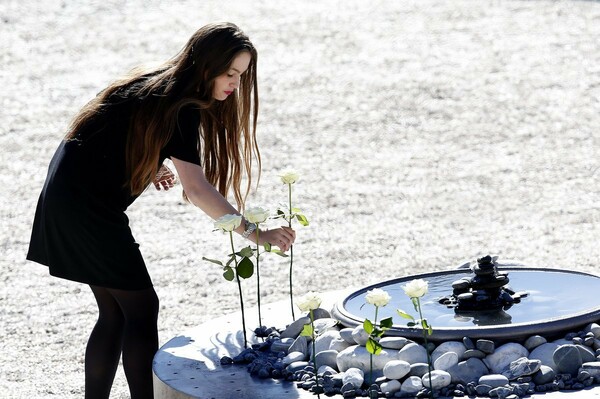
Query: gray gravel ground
[425,132]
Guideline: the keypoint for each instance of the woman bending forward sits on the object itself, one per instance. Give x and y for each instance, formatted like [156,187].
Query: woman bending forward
[199,109]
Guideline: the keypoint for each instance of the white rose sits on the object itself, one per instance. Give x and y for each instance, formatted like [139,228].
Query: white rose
[309,301]
[228,222]
[416,288]
[289,176]
[378,297]
[256,214]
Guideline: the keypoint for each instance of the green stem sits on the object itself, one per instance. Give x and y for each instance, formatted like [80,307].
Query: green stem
[371,355]
[426,348]
[291,291]
[291,251]
[237,277]
[258,275]
[314,354]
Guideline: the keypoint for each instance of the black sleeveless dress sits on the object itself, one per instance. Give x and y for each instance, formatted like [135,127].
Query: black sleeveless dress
[80,230]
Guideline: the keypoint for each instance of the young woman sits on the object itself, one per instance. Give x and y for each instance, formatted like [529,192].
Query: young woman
[199,109]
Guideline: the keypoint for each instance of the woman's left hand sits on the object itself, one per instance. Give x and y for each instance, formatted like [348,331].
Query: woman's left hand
[283,237]
[164,178]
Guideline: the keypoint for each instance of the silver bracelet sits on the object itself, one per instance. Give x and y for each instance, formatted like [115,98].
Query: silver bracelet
[250,227]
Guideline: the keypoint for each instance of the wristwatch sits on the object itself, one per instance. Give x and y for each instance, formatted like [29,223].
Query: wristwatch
[249,229]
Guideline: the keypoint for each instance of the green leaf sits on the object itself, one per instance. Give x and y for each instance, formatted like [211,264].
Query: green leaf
[368,326]
[280,213]
[307,330]
[302,219]
[228,273]
[373,346]
[279,252]
[247,252]
[296,210]
[218,262]
[424,324]
[377,332]
[403,314]
[267,246]
[429,330]
[411,324]
[245,268]
[386,323]
[415,302]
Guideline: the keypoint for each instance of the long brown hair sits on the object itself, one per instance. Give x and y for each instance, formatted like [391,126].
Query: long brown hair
[228,128]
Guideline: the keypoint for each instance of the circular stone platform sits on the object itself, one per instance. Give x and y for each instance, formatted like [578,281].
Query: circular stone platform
[188,365]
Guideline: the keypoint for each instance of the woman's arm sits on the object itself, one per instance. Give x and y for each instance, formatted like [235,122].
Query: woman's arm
[203,195]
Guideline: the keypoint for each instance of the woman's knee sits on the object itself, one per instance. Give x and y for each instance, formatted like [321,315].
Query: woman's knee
[138,305]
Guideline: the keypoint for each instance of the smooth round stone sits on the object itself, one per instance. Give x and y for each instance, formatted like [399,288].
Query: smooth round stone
[521,367]
[296,366]
[282,345]
[413,353]
[592,367]
[467,296]
[294,357]
[485,345]
[324,340]
[461,284]
[394,342]
[359,335]
[448,346]
[504,355]
[587,354]
[567,359]
[346,334]
[339,344]
[358,356]
[320,313]
[327,358]
[534,341]
[396,369]
[545,375]
[545,353]
[583,375]
[418,369]
[446,361]
[467,371]
[468,343]
[325,324]
[412,385]
[294,329]
[347,387]
[476,353]
[483,389]
[493,380]
[594,328]
[300,344]
[338,380]
[354,376]
[500,392]
[439,379]
[563,341]
[390,387]
[326,369]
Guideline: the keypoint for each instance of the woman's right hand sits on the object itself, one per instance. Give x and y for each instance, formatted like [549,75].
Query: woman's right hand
[282,237]
[165,178]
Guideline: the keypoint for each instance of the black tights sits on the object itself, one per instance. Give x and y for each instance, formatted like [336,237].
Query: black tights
[126,323]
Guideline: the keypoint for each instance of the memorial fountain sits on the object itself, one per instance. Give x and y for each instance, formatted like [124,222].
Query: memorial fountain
[533,329]
[476,300]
